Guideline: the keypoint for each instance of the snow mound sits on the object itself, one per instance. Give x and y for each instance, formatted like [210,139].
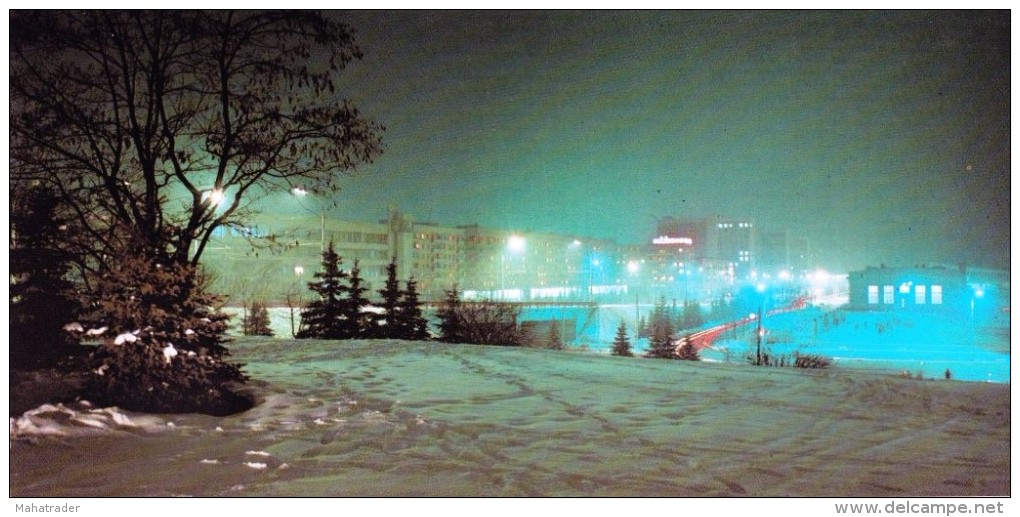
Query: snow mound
[58,420]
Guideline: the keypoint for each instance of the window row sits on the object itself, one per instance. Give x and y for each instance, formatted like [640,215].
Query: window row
[921,294]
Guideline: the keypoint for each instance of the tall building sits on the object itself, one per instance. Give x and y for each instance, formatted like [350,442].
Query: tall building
[712,240]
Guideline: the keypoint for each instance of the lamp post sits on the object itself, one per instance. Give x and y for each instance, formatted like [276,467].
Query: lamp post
[301,193]
[978,293]
[633,267]
[760,331]
[514,244]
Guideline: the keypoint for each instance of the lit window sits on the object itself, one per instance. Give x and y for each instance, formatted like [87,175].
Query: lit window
[873,295]
[936,294]
[905,288]
[919,294]
[888,295]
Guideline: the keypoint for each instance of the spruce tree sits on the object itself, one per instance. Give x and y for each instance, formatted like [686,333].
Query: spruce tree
[323,317]
[661,341]
[621,345]
[412,323]
[41,301]
[386,324]
[451,326]
[356,322]
[176,361]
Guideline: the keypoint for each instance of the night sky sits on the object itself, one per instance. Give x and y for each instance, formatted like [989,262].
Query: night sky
[882,137]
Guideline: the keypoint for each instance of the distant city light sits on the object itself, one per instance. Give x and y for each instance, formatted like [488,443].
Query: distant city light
[633,266]
[673,240]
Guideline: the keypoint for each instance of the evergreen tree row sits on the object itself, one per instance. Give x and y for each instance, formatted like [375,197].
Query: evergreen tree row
[661,333]
[340,310]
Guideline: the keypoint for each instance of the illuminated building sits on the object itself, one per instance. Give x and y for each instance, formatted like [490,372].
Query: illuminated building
[883,288]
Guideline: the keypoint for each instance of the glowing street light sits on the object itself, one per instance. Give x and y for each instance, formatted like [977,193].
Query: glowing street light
[300,193]
[213,197]
[514,244]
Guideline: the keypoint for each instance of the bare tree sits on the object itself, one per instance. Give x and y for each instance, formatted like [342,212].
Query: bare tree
[490,323]
[156,128]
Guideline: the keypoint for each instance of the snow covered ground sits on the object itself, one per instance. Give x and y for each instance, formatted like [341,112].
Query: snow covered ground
[915,344]
[919,345]
[392,418]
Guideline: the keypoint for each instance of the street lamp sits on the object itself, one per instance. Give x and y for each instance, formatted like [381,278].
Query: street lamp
[760,331]
[515,244]
[213,197]
[301,193]
[978,293]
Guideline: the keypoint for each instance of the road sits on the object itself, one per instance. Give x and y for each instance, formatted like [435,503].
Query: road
[704,338]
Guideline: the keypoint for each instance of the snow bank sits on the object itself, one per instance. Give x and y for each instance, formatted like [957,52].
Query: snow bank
[77,420]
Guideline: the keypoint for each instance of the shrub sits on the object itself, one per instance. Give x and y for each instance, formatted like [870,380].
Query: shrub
[687,351]
[810,361]
[797,360]
[481,323]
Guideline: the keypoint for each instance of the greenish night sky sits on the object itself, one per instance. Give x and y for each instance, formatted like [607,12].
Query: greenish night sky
[884,137]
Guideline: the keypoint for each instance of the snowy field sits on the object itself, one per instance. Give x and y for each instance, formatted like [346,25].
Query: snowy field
[392,418]
[918,345]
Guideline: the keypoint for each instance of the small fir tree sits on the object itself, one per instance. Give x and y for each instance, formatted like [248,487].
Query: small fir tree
[323,318]
[386,324]
[451,324]
[356,322]
[661,340]
[412,323]
[256,323]
[554,341]
[621,345]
